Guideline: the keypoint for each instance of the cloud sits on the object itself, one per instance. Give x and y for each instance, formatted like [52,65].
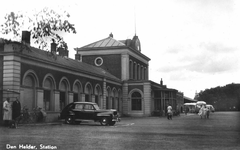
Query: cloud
[204,58]
[217,47]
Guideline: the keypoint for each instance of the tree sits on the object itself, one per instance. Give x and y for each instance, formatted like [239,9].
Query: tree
[222,98]
[44,25]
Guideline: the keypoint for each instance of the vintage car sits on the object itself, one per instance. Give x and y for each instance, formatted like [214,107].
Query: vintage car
[77,112]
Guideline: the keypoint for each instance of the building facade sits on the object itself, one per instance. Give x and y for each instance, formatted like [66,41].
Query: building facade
[112,73]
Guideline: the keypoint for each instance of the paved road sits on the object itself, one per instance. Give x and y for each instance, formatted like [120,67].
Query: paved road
[221,131]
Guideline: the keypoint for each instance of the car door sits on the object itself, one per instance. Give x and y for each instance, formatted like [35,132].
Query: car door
[79,112]
[89,112]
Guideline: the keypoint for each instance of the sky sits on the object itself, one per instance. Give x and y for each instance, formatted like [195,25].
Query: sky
[193,44]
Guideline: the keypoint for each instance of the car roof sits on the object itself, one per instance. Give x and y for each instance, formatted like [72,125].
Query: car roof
[84,103]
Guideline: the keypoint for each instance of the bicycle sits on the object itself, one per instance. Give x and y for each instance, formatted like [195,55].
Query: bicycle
[25,116]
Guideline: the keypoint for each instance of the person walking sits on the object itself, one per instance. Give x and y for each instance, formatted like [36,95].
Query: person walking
[202,112]
[169,112]
[7,112]
[16,111]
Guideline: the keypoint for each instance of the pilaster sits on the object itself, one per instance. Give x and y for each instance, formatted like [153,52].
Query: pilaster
[147,98]
[125,67]
[104,94]
[125,99]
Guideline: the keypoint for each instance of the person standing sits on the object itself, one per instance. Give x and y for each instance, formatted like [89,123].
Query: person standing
[7,112]
[207,112]
[169,112]
[16,111]
[186,110]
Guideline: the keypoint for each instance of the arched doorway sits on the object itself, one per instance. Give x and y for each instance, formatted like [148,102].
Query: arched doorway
[98,94]
[136,101]
[64,88]
[48,94]
[88,92]
[77,91]
[120,101]
[29,84]
[108,98]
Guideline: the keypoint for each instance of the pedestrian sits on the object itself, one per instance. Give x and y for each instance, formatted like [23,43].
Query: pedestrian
[202,112]
[186,110]
[16,112]
[7,112]
[169,112]
[207,112]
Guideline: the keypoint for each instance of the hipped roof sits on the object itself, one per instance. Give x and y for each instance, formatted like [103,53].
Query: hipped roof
[65,62]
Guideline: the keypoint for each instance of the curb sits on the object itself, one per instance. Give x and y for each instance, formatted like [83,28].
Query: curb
[41,124]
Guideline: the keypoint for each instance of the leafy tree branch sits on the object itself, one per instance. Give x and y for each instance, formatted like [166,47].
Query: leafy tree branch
[44,25]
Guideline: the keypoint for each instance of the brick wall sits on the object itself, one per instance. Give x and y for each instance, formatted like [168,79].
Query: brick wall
[111,63]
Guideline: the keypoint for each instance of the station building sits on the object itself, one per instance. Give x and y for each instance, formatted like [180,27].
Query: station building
[112,73]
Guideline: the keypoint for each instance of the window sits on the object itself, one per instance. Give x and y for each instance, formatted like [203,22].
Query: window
[79,106]
[98,61]
[88,107]
[62,100]
[46,99]
[136,101]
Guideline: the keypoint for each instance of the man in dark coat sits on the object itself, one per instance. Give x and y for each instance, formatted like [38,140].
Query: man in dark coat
[16,111]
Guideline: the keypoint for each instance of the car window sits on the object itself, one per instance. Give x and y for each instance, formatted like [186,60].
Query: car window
[96,107]
[88,107]
[79,106]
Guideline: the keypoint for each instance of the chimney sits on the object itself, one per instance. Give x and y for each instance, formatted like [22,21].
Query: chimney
[62,52]
[26,36]
[53,47]
[111,35]
[161,82]
[78,57]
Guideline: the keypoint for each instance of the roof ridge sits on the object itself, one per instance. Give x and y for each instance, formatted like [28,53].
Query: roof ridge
[95,42]
[104,43]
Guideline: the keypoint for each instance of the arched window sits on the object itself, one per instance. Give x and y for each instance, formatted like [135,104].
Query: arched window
[77,89]
[28,99]
[48,94]
[64,88]
[88,93]
[98,94]
[29,84]
[136,101]
[108,98]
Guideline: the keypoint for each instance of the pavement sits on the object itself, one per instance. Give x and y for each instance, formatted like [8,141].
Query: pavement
[186,132]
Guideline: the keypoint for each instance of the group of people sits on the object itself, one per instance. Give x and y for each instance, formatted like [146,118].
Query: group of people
[204,112]
[11,113]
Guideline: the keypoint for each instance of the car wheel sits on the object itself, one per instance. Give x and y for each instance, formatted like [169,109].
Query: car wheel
[70,120]
[104,121]
[112,123]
